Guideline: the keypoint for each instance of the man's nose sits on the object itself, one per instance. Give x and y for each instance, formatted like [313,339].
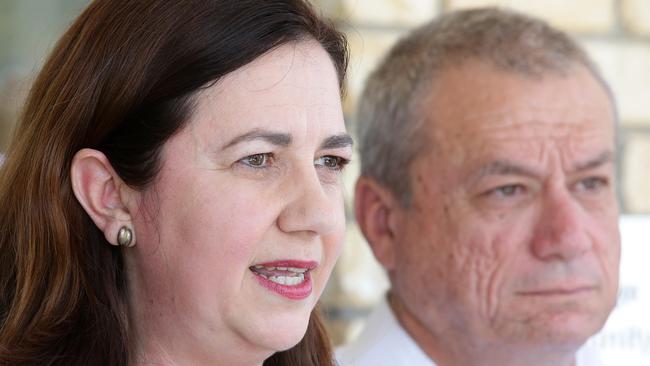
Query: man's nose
[310,207]
[560,233]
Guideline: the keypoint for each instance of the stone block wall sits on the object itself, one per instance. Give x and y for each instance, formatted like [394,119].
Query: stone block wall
[615,32]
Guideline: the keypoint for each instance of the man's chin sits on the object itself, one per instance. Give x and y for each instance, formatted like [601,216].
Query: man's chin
[574,329]
[570,327]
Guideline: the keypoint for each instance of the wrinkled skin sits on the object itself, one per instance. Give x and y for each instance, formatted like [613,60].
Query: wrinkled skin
[509,251]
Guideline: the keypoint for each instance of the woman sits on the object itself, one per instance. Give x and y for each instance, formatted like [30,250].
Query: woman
[172,195]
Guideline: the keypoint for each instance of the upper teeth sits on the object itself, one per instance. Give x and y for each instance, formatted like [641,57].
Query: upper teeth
[288,280]
[291,269]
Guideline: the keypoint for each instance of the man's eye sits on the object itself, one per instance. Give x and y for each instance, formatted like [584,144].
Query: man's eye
[257,160]
[332,162]
[506,191]
[592,184]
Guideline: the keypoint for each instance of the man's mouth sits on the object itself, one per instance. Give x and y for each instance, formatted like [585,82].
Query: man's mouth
[559,291]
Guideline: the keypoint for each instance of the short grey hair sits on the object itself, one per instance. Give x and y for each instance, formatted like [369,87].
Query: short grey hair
[390,110]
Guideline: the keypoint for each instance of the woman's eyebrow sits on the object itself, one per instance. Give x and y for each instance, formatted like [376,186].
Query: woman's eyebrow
[337,141]
[275,138]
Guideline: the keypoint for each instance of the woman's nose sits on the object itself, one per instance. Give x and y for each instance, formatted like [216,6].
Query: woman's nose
[311,206]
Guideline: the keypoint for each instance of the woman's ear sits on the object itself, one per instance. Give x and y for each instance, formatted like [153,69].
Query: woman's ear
[100,191]
[374,208]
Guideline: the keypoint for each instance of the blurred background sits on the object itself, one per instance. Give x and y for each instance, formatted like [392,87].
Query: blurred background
[615,32]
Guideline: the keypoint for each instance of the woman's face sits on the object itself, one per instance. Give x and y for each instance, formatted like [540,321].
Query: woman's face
[238,235]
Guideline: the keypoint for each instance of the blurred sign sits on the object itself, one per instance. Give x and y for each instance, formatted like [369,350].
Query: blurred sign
[625,340]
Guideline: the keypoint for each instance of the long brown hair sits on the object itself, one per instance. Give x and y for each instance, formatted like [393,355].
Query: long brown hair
[121,81]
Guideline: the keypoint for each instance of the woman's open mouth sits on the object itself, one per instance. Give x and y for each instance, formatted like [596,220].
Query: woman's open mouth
[289,278]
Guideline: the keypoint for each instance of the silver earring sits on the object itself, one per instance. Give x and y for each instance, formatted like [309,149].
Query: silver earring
[125,237]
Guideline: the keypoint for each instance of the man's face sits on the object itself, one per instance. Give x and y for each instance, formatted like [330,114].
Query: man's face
[512,232]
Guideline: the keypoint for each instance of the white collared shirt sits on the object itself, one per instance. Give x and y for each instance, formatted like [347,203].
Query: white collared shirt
[383,342]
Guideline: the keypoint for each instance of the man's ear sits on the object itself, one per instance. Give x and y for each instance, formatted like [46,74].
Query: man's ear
[101,192]
[375,208]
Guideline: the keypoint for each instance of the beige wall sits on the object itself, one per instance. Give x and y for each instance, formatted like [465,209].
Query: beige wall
[28,29]
[616,32]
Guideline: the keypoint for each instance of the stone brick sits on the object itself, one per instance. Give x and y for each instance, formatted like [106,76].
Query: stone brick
[342,331]
[350,175]
[360,278]
[625,65]
[585,16]
[13,91]
[636,16]
[367,48]
[389,12]
[330,8]
[636,174]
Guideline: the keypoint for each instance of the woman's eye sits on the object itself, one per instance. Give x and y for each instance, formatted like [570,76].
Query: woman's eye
[332,162]
[257,160]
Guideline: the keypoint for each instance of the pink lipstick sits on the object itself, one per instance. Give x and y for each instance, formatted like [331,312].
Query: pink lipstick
[288,278]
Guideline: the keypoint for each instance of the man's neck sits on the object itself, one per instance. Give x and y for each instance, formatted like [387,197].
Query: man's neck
[448,347]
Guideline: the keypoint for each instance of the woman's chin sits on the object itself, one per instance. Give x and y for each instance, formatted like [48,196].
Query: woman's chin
[282,334]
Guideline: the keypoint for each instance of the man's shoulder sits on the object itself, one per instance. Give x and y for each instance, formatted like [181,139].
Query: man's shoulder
[588,356]
[382,342]
[381,353]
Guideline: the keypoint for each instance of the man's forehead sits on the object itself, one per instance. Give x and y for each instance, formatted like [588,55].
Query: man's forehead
[478,82]
[526,126]
[474,100]
[530,140]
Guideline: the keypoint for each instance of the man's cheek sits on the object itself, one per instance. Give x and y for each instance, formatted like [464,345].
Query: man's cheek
[488,267]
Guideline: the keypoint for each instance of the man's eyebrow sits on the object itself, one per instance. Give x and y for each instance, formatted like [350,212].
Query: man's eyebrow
[337,141]
[275,138]
[503,167]
[603,158]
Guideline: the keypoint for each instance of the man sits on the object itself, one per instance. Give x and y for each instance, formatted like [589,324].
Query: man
[487,192]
